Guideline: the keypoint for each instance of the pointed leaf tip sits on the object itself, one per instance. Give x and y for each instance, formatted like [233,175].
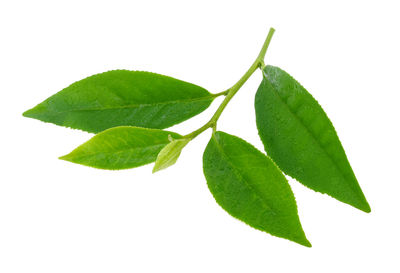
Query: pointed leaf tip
[28,113]
[306,244]
[302,240]
[65,157]
[35,112]
[366,207]
[170,153]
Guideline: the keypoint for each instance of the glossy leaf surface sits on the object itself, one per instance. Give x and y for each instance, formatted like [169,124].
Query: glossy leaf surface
[300,138]
[250,187]
[170,154]
[121,147]
[123,97]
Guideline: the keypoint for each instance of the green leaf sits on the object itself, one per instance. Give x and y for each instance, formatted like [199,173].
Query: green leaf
[122,97]
[121,147]
[300,138]
[169,154]
[251,188]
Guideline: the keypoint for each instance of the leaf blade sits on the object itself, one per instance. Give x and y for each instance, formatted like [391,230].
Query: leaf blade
[123,98]
[249,186]
[298,135]
[170,154]
[121,148]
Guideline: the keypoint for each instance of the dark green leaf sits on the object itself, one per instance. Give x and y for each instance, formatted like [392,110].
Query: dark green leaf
[300,138]
[121,147]
[122,97]
[249,186]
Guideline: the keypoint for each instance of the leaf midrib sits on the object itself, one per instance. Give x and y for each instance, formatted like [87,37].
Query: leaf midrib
[117,151]
[137,105]
[240,176]
[312,136]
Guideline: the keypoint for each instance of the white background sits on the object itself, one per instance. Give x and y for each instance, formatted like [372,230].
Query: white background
[59,217]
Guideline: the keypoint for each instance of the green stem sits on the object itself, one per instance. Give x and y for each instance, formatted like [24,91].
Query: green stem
[258,63]
[223,93]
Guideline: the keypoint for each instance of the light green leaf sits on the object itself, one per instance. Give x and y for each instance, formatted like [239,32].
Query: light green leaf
[169,154]
[121,147]
[123,97]
[300,138]
[249,186]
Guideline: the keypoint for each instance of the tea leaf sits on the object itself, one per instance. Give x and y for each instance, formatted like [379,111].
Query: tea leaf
[169,154]
[249,186]
[121,147]
[123,97]
[300,138]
